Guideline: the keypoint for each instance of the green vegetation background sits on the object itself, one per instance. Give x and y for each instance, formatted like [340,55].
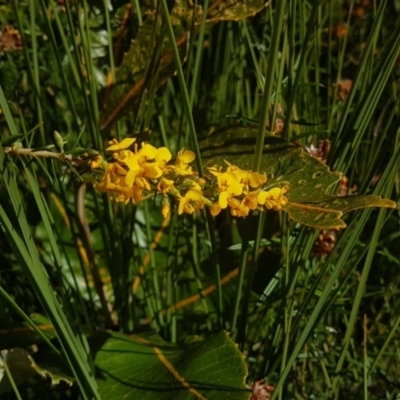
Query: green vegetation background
[314,313]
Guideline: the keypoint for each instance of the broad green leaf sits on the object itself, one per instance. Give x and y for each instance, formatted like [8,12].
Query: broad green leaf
[327,214]
[308,178]
[22,367]
[146,368]
[19,363]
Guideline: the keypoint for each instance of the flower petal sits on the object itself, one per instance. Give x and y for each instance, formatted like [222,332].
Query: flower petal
[147,151]
[164,185]
[256,179]
[137,194]
[185,156]
[132,162]
[193,195]
[182,203]
[233,203]
[235,188]
[223,199]
[130,178]
[230,178]
[122,145]
[127,142]
[275,193]
[215,209]
[214,171]
[163,154]
[142,183]
[150,170]
[262,196]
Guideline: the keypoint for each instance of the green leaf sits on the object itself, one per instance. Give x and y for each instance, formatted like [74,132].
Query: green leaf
[19,363]
[22,367]
[146,368]
[327,214]
[284,163]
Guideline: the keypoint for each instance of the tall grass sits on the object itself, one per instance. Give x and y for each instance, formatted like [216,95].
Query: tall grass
[314,325]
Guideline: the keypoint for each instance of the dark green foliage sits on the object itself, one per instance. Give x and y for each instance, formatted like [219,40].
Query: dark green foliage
[315,313]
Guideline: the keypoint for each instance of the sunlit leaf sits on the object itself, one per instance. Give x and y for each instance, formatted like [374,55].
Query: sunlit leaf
[327,214]
[234,10]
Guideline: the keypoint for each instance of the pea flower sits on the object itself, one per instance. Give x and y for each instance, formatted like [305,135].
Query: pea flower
[193,200]
[228,186]
[165,207]
[183,159]
[273,198]
[164,185]
[247,178]
[137,173]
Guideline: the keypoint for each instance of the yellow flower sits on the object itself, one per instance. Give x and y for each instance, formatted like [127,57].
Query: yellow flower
[250,200]
[183,159]
[164,185]
[236,207]
[147,152]
[200,181]
[225,179]
[146,171]
[193,198]
[137,194]
[131,175]
[110,176]
[139,172]
[163,155]
[135,160]
[247,178]
[165,207]
[125,194]
[115,146]
[142,182]
[228,185]
[119,149]
[215,209]
[115,180]
[96,162]
[240,209]
[227,196]
[139,167]
[273,198]
[192,184]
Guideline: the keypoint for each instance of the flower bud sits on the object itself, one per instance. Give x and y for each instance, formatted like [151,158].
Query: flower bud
[59,141]
[165,207]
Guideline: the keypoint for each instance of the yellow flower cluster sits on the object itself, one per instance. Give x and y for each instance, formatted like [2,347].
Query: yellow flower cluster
[146,171]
